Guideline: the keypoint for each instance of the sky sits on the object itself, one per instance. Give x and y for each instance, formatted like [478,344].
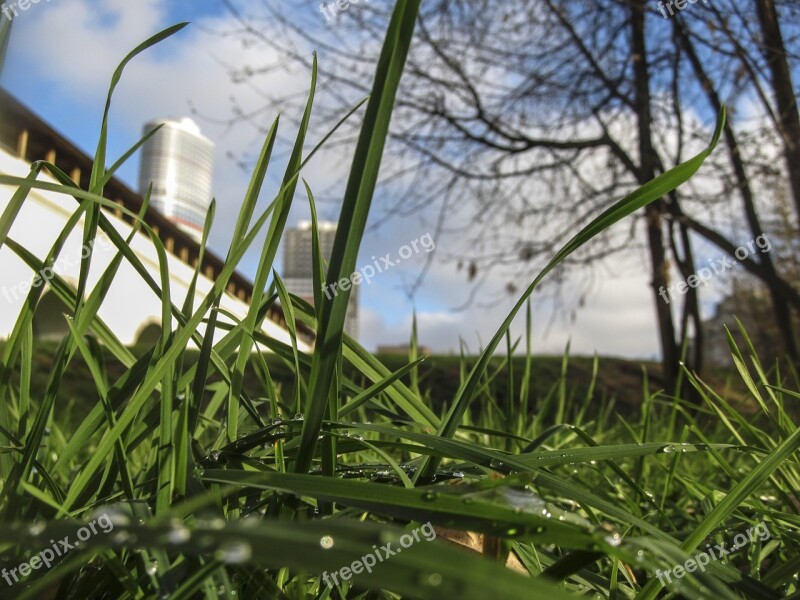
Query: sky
[61,58]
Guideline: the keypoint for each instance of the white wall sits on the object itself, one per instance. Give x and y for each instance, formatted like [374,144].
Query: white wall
[130,304]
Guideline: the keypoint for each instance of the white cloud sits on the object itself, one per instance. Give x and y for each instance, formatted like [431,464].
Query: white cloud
[617,317]
[78,43]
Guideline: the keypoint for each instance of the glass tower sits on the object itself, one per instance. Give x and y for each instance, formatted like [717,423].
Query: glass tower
[179,161]
[298,270]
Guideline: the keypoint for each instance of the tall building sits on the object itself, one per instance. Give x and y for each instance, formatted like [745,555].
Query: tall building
[179,161]
[131,311]
[298,267]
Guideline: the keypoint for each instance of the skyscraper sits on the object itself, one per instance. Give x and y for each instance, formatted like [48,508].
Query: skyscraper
[179,161]
[298,270]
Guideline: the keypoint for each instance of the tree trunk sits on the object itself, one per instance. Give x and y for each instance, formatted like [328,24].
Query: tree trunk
[655,211]
[788,117]
[780,303]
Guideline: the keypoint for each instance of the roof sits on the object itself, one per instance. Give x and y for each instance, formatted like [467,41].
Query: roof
[27,136]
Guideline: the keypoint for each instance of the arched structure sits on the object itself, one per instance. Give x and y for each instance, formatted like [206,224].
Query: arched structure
[49,323]
[149,335]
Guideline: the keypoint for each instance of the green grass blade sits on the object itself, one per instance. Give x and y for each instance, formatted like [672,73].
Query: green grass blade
[355,208]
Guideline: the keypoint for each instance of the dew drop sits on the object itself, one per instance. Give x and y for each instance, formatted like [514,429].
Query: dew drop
[179,535]
[122,537]
[36,529]
[116,516]
[234,553]
[326,542]
[213,523]
[434,580]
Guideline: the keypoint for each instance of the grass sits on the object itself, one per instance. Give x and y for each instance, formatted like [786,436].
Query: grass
[217,487]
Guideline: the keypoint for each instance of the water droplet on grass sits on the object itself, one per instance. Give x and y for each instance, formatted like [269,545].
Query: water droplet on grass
[433,580]
[326,542]
[179,535]
[234,553]
[122,537]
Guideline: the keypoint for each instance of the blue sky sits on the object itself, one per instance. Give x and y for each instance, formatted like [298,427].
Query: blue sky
[62,55]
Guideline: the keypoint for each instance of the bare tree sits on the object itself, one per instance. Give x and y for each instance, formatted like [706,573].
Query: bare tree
[787,117]
[529,117]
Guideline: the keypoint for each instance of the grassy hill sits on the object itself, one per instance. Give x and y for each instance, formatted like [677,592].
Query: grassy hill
[618,380]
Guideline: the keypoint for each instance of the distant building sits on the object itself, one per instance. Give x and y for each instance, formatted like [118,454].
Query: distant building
[298,266]
[752,305]
[715,341]
[179,162]
[131,310]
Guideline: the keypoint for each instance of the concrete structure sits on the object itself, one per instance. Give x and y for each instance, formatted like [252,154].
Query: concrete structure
[298,270]
[131,309]
[179,163]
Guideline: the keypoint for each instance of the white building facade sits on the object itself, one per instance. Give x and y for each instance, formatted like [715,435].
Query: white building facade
[131,309]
